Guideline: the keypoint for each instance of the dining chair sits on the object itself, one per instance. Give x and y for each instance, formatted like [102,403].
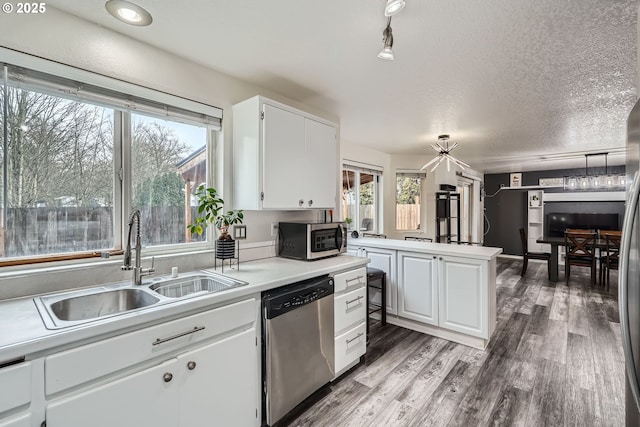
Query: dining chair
[580,251]
[526,255]
[609,259]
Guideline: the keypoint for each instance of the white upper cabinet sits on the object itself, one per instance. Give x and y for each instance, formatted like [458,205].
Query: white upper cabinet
[283,158]
[320,164]
[284,153]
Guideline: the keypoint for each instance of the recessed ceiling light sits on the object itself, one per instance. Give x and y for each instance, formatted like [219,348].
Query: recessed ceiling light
[128,12]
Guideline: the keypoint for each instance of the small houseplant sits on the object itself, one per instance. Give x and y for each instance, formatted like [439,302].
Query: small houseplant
[209,207]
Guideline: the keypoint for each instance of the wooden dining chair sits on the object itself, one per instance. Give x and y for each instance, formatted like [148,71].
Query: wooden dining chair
[610,257]
[526,255]
[580,251]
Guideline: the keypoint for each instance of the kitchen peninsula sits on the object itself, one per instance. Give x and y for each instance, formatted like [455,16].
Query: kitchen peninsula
[445,290]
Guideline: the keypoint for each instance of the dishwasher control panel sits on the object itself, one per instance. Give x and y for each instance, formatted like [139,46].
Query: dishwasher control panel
[282,300]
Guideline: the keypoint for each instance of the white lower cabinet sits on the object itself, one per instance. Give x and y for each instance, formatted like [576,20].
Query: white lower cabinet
[418,287]
[385,260]
[350,346]
[350,315]
[463,296]
[217,383]
[449,292]
[15,394]
[214,382]
[148,398]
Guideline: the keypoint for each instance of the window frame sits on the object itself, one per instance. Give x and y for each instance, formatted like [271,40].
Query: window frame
[122,161]
[357,169]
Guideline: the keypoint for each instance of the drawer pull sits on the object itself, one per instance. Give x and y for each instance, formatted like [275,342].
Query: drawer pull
[182,334]
[191,365]
[167,377]
[355,278]
[354,300]
[360,334]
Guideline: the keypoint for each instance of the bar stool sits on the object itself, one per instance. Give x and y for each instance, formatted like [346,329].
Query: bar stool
[376,279]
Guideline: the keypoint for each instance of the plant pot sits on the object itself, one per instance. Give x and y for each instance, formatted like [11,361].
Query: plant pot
[225,249]
[535,202]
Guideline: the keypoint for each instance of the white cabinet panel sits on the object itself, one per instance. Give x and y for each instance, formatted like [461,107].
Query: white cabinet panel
[350,346]
[350,280]
[15,386]
[21,421]
[218,383]
[284,153]
[418,287]
[321,164]
[350,309]
[385,260]
[463,293]
[141,399]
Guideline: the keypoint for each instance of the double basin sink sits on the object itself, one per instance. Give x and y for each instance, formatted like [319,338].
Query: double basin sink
[71,308]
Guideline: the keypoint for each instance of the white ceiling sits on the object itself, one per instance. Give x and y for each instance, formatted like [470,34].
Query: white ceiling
[517,83]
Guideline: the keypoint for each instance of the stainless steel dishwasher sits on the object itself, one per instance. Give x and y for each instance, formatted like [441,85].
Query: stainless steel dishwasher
[298,344]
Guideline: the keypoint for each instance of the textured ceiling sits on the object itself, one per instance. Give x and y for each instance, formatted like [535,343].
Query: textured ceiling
[519,84]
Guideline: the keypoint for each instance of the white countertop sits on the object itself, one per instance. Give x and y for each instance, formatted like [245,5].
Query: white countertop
[22,331]
[463,251]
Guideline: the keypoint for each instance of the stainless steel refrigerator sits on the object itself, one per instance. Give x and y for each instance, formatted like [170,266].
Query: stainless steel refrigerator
[629,273]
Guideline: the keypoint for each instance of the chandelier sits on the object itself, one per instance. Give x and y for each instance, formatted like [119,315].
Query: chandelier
[607,181]
[444,150]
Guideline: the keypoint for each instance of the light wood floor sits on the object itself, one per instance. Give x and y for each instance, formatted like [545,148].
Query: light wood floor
[555,359]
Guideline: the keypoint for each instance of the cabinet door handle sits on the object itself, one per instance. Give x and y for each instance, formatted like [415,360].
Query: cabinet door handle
[191,365]
[300,202]
[310,202]
[181,334]
[167,377]
[354,300]
[354,278]
[360,334]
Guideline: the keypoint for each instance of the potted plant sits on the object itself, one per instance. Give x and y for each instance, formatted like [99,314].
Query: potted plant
[209,207]
[348,221]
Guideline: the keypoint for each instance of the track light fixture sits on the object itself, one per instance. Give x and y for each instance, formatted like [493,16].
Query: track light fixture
[387,39]
[443,149]
[393,7]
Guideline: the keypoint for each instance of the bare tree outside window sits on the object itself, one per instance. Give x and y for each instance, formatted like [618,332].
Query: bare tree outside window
[168,163]
[60,175]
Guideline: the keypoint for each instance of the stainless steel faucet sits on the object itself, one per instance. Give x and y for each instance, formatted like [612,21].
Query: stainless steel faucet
[138,271]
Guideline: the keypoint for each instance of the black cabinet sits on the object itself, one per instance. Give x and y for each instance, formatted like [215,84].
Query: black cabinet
[447,217]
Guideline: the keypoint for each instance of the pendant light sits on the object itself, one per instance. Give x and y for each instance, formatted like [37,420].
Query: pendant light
[387,39]
[444,150]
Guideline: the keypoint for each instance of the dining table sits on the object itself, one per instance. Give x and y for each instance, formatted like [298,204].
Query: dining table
[556,241]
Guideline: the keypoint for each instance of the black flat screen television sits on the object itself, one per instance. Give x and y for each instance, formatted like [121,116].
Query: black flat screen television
[558,222]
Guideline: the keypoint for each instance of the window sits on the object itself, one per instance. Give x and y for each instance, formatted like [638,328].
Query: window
[360,198]
[408,197]
[168,162]
[75,157]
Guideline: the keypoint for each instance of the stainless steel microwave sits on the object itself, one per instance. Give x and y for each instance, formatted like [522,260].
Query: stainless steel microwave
[311,240]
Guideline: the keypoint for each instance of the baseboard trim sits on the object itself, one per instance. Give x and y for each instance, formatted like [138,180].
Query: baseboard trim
[446,334]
